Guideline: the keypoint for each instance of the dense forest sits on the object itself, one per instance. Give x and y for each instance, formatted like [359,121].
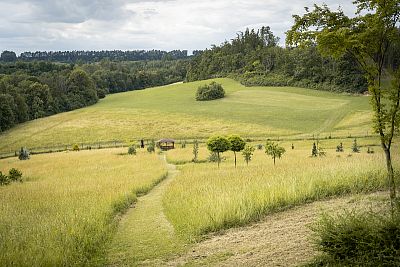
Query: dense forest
[94,56]
[40,84]
[255,58]
[31,90]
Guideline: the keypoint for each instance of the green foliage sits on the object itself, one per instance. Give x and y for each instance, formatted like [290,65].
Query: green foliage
[8,56]
[75,147]
[23,154]
[274,150]
[355,148]
[254,61]
[195,150]
[151,147]
[371,38]
[4,180]
[260,146]
[210,92]
[314,151]
[183,144]
[248,153]
[132,150]
[15,175]
[218,144]
[236,144]
[339,148]
[358,239]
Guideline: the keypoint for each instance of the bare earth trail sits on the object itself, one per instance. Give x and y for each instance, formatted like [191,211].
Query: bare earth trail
[146,238]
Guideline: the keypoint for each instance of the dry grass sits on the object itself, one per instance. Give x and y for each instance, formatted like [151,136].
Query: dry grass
[64,211]
[204,198]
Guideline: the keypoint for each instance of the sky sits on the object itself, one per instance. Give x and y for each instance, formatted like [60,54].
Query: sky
[53,25]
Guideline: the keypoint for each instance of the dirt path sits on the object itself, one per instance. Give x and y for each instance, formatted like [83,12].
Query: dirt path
[281,239]
[144,235]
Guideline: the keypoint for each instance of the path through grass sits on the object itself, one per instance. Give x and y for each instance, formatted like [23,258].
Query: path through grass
[145,236]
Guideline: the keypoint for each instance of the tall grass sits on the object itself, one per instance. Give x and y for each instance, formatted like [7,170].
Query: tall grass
[204,199]
[64,212]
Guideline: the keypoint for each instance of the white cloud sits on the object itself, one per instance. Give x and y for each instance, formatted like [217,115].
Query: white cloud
[139,24]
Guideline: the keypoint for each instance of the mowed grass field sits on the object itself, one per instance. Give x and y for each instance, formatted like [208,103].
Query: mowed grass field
[64,213]
[171,111]
[205,199]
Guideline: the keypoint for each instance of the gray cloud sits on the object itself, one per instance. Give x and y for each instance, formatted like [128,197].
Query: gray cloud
[140,24]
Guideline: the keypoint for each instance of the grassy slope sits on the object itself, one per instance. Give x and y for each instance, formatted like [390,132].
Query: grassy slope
[171,111]
[63,213]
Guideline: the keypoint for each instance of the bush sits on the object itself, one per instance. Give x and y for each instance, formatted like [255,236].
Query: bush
[358,239]
[210,92]
[75,147]
[4,180]
[132,150]
[15,175]
[151,147]
[24,154]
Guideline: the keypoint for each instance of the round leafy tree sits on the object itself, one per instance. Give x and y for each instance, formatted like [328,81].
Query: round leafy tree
[236,144]
[218,144]
[210,92]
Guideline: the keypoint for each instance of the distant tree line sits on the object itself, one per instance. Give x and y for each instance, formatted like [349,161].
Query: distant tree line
[255,59]
[32,90]
[94,56]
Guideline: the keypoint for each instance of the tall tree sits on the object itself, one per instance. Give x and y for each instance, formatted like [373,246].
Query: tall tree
[218,144]
[368,37]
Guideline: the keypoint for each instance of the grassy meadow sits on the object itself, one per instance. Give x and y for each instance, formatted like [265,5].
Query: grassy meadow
[64,212]
[205,199]
[171,111]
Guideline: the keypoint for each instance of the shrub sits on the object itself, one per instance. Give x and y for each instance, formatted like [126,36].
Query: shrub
[24,154]
[355,148]
[75,147]
[132,150]
[151,147]
[4,180]
[259,146]
[358,239]
[15,175]
[370,150]
[210,92]
[339,148]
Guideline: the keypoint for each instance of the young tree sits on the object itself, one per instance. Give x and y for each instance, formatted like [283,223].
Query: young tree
[151,147]
[248,153]
[236,144]
[274,150]
[218,144]
[355,148]
[368,37]
[314,151]
[195,150]
[339,148]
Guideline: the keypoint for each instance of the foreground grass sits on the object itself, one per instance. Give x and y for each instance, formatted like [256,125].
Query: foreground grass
[204,199]
[171,111]
[63,213]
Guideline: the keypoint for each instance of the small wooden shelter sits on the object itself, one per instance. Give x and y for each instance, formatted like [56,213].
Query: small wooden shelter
[166,144]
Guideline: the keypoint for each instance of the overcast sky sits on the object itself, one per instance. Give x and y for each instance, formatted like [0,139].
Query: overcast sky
[31,25]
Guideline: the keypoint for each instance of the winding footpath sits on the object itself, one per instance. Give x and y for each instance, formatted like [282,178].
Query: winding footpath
[145,236]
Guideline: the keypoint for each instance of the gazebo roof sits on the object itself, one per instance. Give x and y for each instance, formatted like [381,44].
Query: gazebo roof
[166,140]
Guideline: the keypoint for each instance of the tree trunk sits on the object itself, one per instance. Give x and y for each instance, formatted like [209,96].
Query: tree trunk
[274,161]
[218,159]
[392,185]
[235,157]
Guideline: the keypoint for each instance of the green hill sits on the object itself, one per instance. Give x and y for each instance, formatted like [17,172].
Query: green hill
[171,111]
